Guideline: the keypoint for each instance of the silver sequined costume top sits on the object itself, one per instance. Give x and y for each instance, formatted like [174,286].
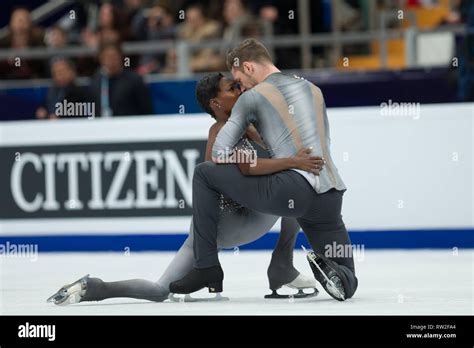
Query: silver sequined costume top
[226,204]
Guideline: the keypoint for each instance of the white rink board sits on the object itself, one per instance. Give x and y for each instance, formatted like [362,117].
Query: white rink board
[401,172]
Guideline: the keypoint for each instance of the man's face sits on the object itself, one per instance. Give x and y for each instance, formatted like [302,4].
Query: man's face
[111,61]
[243,78]
[62,73]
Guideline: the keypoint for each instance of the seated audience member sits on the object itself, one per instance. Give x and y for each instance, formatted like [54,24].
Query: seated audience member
[156,24]
[239,21]
[63,90]
[110,20]
[118,91]
[22,34]
[196,28]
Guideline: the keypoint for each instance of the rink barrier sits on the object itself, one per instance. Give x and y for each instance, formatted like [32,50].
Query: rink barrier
[406,239]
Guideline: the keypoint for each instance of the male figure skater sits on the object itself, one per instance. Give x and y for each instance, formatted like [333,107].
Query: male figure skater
[237,225]
[289,114]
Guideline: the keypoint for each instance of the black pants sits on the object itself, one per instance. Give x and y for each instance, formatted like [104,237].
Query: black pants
[285,193]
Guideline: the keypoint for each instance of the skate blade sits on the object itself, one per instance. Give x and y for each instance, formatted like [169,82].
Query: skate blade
[302,282]
[188,298]
[329,286]
[299,295]
[61,296]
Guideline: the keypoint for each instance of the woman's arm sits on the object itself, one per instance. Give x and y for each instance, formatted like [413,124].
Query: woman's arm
[214,130]
[263,166]
[212,138]
[254,135]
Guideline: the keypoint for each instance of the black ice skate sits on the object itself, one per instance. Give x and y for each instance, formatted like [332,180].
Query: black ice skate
[326,275]
[197,279]
[71,293]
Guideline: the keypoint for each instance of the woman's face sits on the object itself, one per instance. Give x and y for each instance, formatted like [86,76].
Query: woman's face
[106,16]
[20,21]
[227,95]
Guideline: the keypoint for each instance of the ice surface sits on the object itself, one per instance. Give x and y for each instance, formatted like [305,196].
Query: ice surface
[390,282]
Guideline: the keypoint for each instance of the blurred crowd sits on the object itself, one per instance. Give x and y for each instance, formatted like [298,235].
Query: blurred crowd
[91,24]
[113,89]
[118,88]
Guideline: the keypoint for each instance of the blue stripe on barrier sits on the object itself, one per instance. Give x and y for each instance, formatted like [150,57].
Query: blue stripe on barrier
[383,239]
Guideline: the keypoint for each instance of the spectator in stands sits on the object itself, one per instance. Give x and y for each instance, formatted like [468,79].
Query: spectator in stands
[160,23]
[115,90]
[22,34]
[64,88]
[239,21]
[155,24]
[56,37]
[111,26]
[196,28]
[132,9]
[110,29]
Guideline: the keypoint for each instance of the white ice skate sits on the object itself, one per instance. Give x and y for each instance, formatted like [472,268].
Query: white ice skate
[70,293]
[300,283]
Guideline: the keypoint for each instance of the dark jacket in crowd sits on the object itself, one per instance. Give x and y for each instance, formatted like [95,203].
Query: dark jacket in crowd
[69,94]
[128,94]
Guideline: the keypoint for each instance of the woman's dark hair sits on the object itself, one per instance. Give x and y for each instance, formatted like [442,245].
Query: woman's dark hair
[206,89]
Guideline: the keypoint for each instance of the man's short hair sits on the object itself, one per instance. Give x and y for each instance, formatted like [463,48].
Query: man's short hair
[249,50]
[113,45]
[62,59]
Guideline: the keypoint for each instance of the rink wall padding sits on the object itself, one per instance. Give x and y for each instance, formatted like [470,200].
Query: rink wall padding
[107,184]
[439,239]
[358,88]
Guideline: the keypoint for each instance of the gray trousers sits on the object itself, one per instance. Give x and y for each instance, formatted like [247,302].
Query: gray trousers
[234,229]
[285,193]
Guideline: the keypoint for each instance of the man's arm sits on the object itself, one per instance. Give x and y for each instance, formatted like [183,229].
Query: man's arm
[235,127]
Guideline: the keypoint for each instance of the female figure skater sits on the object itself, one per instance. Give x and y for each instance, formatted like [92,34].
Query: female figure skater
[237,225]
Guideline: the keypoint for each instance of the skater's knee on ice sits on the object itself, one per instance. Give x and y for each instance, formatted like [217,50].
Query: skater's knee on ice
[352,289]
